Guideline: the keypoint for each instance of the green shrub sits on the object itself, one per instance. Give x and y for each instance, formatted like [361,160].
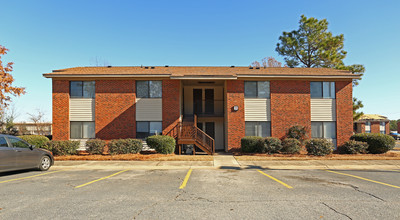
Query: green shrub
[125,146]
[272,145]
[298,132]
[355,147]
[252,144]
[60,148]
[377,143]
[163,144]
[319,147]
[95,146]
[291,146]
[37,140]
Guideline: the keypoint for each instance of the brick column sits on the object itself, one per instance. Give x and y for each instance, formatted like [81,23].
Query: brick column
[387,127]
[290,105]
[398,127]
[60,110]
[375,127]
[235,126]
[115,109]
[344,111]
[171,110]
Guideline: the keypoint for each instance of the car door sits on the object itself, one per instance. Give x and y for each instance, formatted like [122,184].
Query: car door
[26,157]
[8,156]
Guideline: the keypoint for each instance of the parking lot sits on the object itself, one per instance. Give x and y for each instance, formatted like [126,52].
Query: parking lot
[200,193]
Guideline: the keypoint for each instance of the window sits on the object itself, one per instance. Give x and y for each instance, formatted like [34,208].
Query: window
[149,89]
[258,128]
[148,128]
[323,130]
[325,90]
[3,142]
[82,89]
[382,127]
[256,89]
[367,127]
[82,130]
[15,142]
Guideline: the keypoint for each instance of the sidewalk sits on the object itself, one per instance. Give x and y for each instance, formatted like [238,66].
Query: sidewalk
[229,162]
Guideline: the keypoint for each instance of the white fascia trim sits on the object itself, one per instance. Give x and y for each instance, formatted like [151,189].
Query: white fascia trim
[303,76]
[105,75]
[204,77]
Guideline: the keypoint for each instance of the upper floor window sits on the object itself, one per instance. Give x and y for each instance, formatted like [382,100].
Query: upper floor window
[322,90]
[256,89]
[149,89]
[82,89]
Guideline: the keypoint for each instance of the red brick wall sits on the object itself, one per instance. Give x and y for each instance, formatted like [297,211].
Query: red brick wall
[344,111]
[60,110]
[235,125]
[387,128]
[170,104]
[375,127]
[115,109]
[290,105]
[398,127]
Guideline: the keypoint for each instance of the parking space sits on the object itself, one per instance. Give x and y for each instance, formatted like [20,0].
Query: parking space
[201,193]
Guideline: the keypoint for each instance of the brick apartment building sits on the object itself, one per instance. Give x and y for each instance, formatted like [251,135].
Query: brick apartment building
[211,107]
[372,123]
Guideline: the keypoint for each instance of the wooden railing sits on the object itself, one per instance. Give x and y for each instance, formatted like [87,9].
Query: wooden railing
[205,140]
[190,131]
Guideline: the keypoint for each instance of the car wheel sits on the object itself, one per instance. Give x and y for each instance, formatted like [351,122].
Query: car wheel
[45,163]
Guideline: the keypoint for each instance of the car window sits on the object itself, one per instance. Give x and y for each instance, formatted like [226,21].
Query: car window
[18,142]
[3,142]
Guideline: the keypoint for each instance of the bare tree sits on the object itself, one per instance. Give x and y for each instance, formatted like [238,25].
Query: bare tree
[7,117]
[98,61]
[38,120]
[267,62]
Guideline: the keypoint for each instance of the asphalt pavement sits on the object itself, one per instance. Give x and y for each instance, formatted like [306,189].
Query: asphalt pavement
[231,193]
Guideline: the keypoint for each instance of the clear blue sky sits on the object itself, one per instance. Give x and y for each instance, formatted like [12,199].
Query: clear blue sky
[47,35]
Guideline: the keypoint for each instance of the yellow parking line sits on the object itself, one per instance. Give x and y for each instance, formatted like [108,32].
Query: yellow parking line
[362,178]
[103,178]
[273,178]
[186,179]
[28,177]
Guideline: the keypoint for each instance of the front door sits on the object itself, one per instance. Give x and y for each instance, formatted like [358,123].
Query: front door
[210,129]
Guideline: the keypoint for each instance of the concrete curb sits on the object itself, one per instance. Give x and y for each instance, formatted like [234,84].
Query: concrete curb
[238,165]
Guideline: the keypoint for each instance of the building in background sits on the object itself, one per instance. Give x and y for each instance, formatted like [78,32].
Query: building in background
[30,128]
[372,123]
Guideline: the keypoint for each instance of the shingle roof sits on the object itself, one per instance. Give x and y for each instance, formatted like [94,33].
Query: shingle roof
[373,117]
[182,71]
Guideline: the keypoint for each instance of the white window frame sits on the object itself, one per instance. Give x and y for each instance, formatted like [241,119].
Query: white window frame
[368,125]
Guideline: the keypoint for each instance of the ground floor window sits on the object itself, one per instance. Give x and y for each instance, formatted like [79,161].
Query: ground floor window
[325,129]
[82,130]
[382,127]
[258,128]
[148,128]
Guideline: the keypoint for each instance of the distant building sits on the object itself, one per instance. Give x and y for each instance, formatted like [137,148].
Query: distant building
[30,128]
[372,123]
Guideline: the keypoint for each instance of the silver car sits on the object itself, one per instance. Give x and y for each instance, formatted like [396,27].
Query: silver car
[16,154]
